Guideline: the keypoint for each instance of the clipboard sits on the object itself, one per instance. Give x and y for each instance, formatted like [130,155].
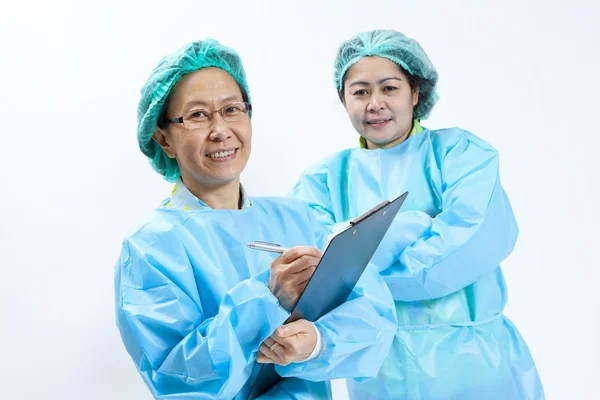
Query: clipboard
[330,286]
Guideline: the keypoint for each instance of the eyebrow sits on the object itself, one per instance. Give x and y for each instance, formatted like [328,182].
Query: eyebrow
[224,100]
[365,83]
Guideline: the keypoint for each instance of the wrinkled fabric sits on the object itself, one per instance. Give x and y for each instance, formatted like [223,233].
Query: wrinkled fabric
[183,199]
[440,259]
[298,389]
[193,306]
[398,48]
[190,58]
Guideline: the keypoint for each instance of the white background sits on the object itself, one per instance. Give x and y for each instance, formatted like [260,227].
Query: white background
[523,75]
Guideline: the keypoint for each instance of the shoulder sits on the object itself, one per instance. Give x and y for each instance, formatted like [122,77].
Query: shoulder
[450,137]
[159,226]
[458,141]
[322,166]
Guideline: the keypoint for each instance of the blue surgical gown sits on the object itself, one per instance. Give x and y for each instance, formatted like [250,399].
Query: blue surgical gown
[441,263]
[193,307]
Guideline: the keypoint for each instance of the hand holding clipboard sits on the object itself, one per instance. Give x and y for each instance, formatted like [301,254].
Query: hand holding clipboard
[345,259]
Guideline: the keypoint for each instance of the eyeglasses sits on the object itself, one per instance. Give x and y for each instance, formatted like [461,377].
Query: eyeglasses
[202,118]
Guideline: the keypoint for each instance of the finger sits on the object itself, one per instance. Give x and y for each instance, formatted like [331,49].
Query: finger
[278,356]
[301,286]
[304,276]
[289,255]
[274,346]
[264,359]
[279,353]
[263,350]
[312,251]
[283,355]
[302,263]
[298,251]
[266,350]
[269,342]
[284,331]
[289,330]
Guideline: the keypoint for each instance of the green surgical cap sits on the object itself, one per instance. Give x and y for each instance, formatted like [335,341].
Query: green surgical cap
[397,48]
[194,56]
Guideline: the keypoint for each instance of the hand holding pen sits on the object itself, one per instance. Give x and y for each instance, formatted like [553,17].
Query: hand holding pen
[291,271]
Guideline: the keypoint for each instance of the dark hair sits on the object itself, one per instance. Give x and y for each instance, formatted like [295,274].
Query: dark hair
[413,81]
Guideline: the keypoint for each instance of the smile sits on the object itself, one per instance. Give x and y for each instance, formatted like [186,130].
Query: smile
[222,155]
[379,122]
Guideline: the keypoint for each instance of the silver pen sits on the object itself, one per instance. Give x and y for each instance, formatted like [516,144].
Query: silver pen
[266,246]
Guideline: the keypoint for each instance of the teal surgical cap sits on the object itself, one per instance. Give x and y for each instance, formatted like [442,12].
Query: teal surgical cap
[194,56]
[397,48]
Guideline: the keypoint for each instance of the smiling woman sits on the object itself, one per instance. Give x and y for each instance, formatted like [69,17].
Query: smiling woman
[382,88]
[457,226]
[198,310]
[211,140]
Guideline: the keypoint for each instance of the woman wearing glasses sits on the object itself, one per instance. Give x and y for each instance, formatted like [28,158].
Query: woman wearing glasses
[195,306]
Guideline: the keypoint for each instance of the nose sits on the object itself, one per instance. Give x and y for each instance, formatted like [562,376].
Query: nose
[376,103]
[220,131]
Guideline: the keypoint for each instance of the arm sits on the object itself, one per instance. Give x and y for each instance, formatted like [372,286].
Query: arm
[312,188]
[424,258]
[180,352]
[474,232]
[356,335]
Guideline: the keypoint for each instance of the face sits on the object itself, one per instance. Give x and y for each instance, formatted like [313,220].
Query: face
[214,155]
[379,101]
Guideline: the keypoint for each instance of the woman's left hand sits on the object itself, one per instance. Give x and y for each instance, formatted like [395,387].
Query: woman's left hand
[290,343]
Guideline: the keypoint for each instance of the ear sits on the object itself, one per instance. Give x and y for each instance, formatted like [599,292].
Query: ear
[415,96]
[161,137]
[342,95]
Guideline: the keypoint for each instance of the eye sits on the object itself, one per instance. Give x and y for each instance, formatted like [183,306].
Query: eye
[389,88]
[360,92]
[198,115]
[233,109]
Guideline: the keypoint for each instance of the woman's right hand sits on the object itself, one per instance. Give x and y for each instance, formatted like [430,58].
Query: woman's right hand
[291,272]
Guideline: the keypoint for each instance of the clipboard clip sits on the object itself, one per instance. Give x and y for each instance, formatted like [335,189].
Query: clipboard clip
[369,213]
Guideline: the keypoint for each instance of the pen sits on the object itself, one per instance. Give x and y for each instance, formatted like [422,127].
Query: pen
[266,246]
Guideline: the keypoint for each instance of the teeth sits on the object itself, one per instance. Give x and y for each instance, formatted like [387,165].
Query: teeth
[221,154]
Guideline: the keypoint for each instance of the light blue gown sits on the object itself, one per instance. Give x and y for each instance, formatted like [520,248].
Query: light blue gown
[193,307]
[444,248]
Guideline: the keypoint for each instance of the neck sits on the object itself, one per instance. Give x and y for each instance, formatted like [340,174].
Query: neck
[218,197]
[395,142]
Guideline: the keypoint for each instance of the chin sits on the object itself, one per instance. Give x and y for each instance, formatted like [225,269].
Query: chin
[380,139]
[226,178]
[212,178]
